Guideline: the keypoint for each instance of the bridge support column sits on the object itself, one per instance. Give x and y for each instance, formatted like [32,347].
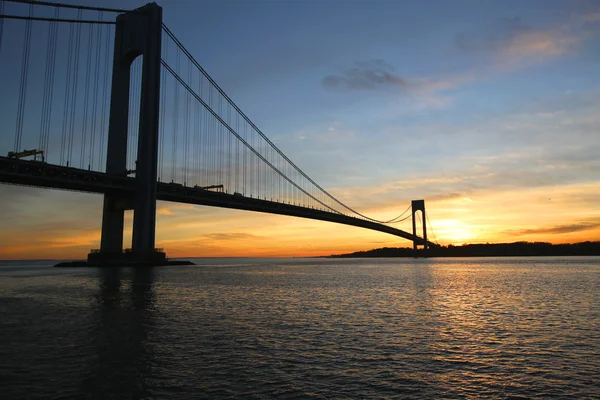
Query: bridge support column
[419,205]
[137,33]
[144,218]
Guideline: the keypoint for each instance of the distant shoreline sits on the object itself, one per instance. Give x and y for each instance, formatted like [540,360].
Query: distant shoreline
[517,249]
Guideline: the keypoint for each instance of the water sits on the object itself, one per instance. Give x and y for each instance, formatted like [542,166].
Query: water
[371,328]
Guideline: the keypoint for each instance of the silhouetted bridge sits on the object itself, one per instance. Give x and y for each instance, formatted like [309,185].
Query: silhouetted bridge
[164,119]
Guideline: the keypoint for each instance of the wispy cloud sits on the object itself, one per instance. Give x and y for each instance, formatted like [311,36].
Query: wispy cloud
[366,75]
[508,44]
[593,16]
[511,35]
[557,229]
[231,236]
[164,211]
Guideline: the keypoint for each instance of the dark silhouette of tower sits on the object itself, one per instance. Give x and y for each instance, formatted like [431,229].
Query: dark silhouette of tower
[138,33]
[419,205]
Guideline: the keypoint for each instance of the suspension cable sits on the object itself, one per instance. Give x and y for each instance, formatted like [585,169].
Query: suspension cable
[431,228]
[397,219]
[62,5]
[400,220]
[193,60]
[48,19]
[224,124]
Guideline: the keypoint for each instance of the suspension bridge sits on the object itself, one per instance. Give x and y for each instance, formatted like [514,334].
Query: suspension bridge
[109,101]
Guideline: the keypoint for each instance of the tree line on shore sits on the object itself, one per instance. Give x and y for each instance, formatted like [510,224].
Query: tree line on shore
[486,250]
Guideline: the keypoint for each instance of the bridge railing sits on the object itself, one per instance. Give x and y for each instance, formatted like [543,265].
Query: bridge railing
[128,250]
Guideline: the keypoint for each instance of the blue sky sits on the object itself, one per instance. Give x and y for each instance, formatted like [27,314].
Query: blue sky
[480,107]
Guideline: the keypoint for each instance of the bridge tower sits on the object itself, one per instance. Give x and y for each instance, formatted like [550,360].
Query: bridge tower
[137,33]
[419,205]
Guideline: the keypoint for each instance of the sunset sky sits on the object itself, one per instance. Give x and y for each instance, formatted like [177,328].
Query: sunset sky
[490,111]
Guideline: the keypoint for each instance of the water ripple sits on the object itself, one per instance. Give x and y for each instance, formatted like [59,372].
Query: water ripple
[297,329]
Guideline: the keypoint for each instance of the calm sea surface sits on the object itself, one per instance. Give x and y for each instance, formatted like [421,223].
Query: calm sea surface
[299,328]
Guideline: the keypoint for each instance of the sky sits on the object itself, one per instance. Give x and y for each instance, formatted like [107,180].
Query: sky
[488,110]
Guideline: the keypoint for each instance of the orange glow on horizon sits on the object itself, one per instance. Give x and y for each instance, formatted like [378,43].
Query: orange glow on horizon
[193,231]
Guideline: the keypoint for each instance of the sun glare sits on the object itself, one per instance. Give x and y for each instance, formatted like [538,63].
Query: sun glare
[451,231]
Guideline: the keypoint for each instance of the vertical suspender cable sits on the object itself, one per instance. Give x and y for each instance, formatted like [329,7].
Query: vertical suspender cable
[203,138]
[48,84]
[135,119]
[431,228]
[186,129]
[131,114]
[223,147]
[257,163]
[204,143]
[209,141]
[219,140]
[88,70]
[46,144]
[137,105]
[161,138]
[95,95]
[74,88]
[134,98]
[163,105]
[193,139]
[66,105]
[103,113]
[198,131]
[245,153]
[229,158]
[211,146]
[175,121]
[161,132]
[23,86]
[237,155]
[45,93]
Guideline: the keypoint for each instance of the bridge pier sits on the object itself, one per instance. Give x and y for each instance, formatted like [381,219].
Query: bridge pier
[113,215]
[419,205]
[137,33]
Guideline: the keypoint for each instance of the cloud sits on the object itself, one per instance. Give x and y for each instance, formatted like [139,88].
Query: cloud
[164,211]
[232,236]
[557,229]
[446,196]
[368,75]
[512,40]
[592,17]
[420,93]
[508,44]
[511,35]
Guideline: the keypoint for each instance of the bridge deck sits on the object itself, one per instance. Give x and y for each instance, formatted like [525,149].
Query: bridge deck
[39,174]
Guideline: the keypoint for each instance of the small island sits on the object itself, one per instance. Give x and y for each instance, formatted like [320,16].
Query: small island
[518,249]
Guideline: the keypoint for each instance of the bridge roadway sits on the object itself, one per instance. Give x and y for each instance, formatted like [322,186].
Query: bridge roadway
[40,174]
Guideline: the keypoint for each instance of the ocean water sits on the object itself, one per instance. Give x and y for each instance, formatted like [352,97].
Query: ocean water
[303,328]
